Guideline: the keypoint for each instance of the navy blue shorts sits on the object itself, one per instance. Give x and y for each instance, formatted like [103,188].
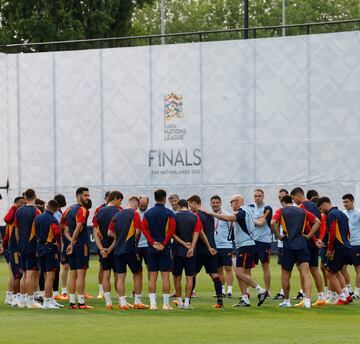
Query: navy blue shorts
[290,257]
[29,261]
[64,258]
[313,253]
[322,254]
[127,259]
[245,257]
[15,264]
[184,263]
[160,261]
[341,257]
[262,252]
[224,257]
[79,259]
[280,249]
[143,252]
[209,262]
[107,263]
[49,261]
[355,255]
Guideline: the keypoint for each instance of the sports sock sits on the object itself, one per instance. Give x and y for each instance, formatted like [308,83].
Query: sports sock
[63,291]
[81,299]
[223,289]
[166,299]
[321,296]
[301,291]
[218,286]
[259,289]
[180,300]
[245,298]
[357,291]
[342,296]
[194,284]
[55,293]
[56,281]
[47,300]
[152,297]
[122,301]
[22,298]
[349,288]
[287,301]
[229,290]
[281,292]
[72,298]
[307,302]
[137,299]
[30,299]
[187,302]
[101,289]
[346,292]
[107,296]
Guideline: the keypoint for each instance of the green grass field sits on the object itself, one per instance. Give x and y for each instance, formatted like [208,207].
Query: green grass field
[203,324]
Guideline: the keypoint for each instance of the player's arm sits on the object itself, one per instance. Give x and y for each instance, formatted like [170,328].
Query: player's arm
[97,234]
[274,224]
[111,234]
[137,226]
[315,224]
[223,217]
[264,218]
[80,221]
[196,233]
[57,233]
[145,231]
[9,217]
[171,231]
[332,235]
[205,241]
[180,241]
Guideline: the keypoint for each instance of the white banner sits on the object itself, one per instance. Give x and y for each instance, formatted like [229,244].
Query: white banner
[215,117]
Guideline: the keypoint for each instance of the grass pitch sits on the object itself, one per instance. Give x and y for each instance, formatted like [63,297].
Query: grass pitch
[265,324]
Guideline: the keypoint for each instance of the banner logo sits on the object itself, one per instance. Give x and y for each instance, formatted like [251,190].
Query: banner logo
[173,107]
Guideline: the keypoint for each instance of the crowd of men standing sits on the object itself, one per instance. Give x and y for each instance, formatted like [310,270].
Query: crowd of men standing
[40,238]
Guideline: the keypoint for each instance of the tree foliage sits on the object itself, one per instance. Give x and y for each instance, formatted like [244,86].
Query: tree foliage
[54,20]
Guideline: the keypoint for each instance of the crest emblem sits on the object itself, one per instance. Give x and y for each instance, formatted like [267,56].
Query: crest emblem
[173,107]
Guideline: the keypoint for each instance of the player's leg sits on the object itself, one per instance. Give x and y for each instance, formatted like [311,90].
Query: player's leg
[64,272]
[10,286]
[100,281]
[304,272]
[165,275]
[357,281]
[153,259]
[49,281]
[56,294]
[177,273]
[80,288]
[229,277]
[264,254]
[121,291]
[287,260]
[245,262]
[346,276]
[106,275]
[72,281]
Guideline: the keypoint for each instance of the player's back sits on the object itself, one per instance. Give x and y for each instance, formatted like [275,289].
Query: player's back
[185,224]
[102,219]
[157,218]
[209,230]
[293,224]
[24,221]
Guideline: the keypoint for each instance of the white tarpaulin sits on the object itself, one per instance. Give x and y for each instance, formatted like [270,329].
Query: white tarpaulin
[215,117]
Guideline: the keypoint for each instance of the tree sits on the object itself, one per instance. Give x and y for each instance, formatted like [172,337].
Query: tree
[48,20]
[204,15]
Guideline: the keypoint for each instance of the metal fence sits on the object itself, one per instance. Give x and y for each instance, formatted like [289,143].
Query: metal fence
[186,37]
